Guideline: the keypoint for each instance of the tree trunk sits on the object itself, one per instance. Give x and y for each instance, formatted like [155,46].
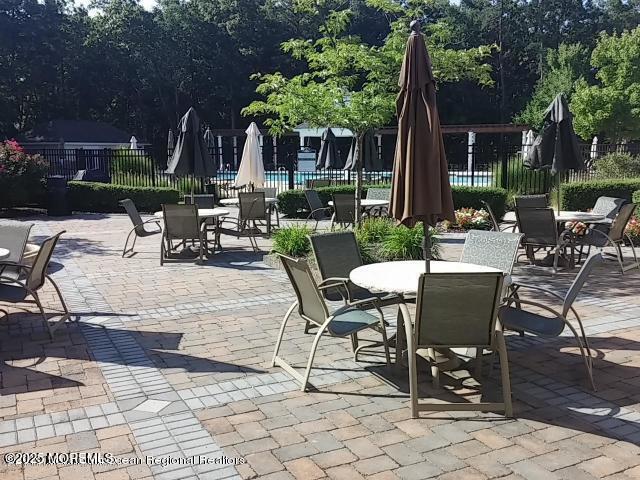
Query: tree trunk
[359,141]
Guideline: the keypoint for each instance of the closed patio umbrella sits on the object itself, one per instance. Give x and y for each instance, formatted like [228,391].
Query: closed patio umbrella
[420,189]
[328,156]
[171,141]
[251,170]
[210,142]
[556,147]
[371,162]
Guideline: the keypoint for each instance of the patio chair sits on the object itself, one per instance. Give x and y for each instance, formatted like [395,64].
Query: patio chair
[344,210]
[495,225]
[138,229]
[379,194]
[181,222]
[457,310]
[540,230]
[313,184]
[491,249]
[202,201]
[615,237]
[531,201]
[31,280]
[525,321]
[609,207]
[271,192]
[346,321]
[13,237]
[318,210]
[336,255]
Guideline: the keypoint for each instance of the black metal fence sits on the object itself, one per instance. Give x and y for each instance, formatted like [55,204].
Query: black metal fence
[480,165]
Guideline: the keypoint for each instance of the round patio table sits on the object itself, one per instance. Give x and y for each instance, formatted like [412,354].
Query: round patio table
[236,201]
[203,213]
[4,253]
[402,277]
[368,203]
[564,216]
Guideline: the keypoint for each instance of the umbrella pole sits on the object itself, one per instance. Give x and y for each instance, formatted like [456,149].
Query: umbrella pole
[558,191]
[426,247]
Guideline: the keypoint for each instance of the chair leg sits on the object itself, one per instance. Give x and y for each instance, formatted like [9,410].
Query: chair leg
[504,371]
[162,250]
[619,256]
[44,316]
[385,340]
[126,242]
[477,366]
[587,361]
[67,315]
[312,354]
[281,332]
[435,372]
[413,374]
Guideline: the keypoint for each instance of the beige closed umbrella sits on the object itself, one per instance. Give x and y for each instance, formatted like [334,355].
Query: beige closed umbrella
[420,190]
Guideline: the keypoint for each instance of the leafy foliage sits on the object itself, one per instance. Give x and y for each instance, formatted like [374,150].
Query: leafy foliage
[21,175]
[583,195]
[618,165]
[104,197]
[403,243]
[292,241]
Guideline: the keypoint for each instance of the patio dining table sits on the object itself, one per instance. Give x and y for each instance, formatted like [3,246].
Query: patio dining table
[402,278]
[369,203]
[564,216]
[207,213]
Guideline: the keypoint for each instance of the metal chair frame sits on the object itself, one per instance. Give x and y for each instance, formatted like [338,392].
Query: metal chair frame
[138,227]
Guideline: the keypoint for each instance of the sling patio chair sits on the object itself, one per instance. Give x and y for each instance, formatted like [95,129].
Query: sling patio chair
[203,200]
[13,236]
[495,225]
[138,229]
[344,210]
[609,207]
[181,223]
[525,321]
[252,209]
[615,237]
[378,194]
[271,192]
[317,210]
[336,255]
[457,310]
[540,232]
[346,321]
[491,249]
[531,201]
[32,279]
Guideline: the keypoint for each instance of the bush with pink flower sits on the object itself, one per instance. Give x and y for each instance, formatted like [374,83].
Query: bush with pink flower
[633,229]
[469,219]
[21,175]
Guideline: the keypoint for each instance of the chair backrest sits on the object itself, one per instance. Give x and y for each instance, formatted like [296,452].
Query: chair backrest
[310,302]
[134,215]
[203,200]
[538,226]
[252,206]
[336,255]
[38,272]
[491,249]
[315,204]
[13,237]
[616,232]
[580,280]
[269,192]
[532,201]
[609,206]
[181,222]
[457,309]
[378,193]
[311,184]
[494,221]
[344,206]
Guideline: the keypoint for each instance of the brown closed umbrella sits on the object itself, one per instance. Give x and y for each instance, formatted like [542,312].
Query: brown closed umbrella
[420,191]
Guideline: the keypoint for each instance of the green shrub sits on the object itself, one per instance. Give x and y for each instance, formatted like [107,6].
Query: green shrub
[381,240]
[522,180]
[617,165]
[583,195]
[21,175]
[293,203]
[104,197]
[292,241]
[635,198]
[131,161]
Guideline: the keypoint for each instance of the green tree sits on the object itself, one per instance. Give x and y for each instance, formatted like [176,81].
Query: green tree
[612,105]
[564,67]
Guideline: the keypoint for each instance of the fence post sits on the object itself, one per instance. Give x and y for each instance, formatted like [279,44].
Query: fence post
[503,163]
[290,174]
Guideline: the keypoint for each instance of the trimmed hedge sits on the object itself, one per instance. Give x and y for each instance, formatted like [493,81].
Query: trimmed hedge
[636,197]
[583,195]
[293,203]
[104,197]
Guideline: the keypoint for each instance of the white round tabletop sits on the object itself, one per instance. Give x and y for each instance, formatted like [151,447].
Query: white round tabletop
[236,201]
[204,212]
[4,253]
[403,276]
[564,216]
[368,202]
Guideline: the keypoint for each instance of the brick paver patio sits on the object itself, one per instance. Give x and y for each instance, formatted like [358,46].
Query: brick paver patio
[172,362]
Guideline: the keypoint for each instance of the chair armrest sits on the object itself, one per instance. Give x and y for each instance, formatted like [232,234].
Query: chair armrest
[518,286]
[534,304]
[332,282]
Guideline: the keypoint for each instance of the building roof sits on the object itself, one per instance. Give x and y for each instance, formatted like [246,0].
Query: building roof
[76,131]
